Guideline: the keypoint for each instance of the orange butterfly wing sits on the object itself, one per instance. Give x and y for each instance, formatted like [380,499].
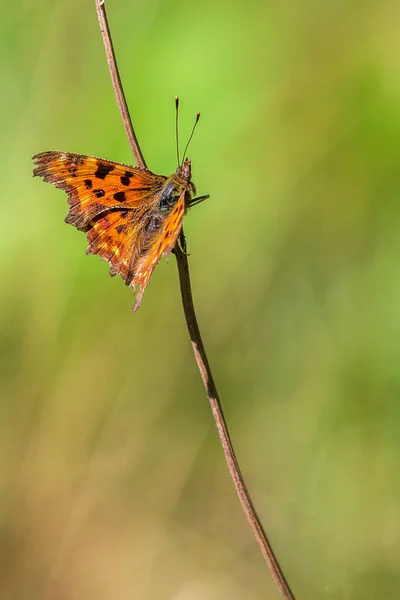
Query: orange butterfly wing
[117,207]
[159,245]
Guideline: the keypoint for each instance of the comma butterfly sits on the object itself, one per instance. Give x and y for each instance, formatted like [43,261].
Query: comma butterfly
[131,216]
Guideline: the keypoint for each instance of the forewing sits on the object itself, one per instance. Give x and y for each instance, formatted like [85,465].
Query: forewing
[96,186]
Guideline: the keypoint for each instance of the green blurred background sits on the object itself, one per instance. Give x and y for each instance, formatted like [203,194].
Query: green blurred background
[113,483]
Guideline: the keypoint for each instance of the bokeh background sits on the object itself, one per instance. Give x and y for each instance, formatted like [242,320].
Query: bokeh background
[113,483]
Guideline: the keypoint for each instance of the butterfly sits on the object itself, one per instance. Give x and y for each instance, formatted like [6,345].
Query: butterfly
[131,216]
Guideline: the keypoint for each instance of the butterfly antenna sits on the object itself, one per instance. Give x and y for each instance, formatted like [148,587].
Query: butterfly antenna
[176,128]
[191,135]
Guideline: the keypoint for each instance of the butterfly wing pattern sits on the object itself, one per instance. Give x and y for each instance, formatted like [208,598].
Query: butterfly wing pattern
[131,216]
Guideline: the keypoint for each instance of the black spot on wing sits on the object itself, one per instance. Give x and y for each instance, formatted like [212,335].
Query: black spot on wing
[103,170]
[126,178]
[120,196]
[99,193]
[120,228]
[88,184]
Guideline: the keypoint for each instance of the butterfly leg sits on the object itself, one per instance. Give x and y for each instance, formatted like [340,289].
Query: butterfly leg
[182,243]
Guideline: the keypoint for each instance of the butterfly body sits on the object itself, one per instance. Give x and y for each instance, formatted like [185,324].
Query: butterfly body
[130,215]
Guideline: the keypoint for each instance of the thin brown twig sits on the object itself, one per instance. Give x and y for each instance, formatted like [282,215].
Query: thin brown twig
[117,84]
[223,432]
[195,336]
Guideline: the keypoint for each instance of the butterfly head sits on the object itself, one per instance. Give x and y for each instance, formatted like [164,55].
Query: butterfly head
[185,170]
[184,174]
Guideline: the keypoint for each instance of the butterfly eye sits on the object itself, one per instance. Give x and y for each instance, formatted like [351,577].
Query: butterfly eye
[169,198]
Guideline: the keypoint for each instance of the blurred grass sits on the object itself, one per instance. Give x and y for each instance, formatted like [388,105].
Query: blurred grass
[112,481]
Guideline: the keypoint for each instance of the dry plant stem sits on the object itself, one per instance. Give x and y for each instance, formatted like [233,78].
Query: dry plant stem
[223,432]
[117,84]
[195,336]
